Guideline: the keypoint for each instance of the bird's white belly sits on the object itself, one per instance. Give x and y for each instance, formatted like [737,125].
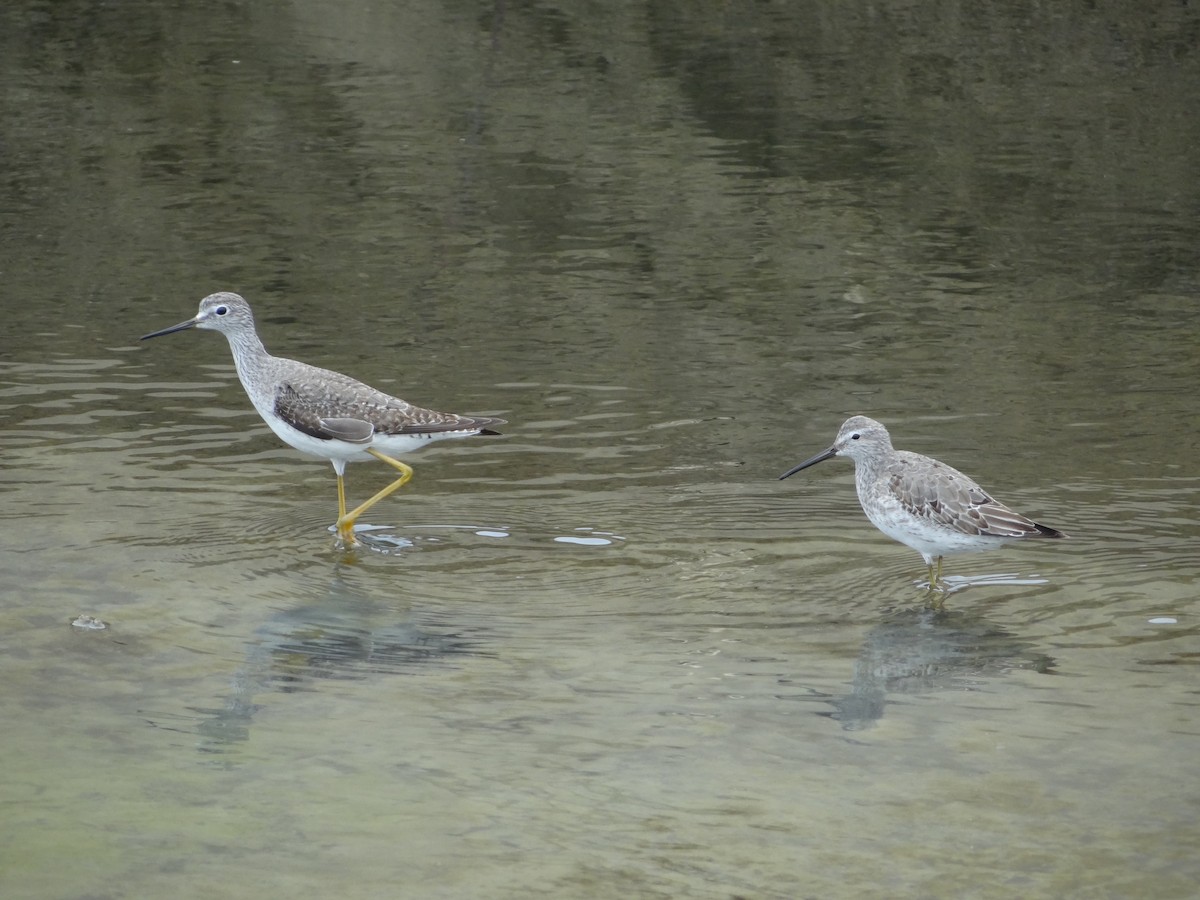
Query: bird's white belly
[930,539]
[346,451]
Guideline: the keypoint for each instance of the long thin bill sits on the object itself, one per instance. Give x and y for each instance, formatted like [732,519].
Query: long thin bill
[820,457]
[190,323]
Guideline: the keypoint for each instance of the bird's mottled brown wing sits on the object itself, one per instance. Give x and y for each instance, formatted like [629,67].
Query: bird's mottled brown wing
[944,496]
[349,410]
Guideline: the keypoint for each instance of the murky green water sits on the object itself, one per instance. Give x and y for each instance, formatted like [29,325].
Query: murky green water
[608,654]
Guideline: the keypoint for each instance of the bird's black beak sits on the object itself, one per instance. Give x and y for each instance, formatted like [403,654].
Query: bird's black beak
[190,323]
[820,457]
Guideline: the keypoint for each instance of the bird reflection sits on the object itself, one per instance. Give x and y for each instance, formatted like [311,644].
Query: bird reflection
[919,651]
[336,637]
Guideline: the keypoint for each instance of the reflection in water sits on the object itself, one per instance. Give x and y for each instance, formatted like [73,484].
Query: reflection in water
[332,638]
[917,651]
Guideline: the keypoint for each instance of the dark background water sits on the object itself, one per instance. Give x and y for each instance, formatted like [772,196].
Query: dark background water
[608,654]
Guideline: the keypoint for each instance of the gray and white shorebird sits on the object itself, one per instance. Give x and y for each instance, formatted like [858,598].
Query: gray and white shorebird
[323,413]
[921,502]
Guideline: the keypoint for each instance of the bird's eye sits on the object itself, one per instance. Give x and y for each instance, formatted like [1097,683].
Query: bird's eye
[855,436]
[221,310]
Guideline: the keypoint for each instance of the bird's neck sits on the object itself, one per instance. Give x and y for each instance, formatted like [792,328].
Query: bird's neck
[249,354]
[866,470]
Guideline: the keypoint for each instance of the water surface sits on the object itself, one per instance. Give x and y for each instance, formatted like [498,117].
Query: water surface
[607,654]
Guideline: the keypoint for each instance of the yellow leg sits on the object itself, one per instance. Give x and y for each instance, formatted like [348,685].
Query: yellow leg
[935,575]
[937,588]
[346,520]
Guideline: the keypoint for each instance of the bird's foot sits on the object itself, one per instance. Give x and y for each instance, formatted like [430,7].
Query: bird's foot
[346,538]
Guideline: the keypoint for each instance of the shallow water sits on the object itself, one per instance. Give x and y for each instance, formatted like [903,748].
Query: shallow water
[608,654]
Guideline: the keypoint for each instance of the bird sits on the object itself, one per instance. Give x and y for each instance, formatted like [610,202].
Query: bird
[323,413]
[921,502]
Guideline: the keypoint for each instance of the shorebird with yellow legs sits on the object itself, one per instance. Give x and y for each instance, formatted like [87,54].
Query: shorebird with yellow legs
[324,413]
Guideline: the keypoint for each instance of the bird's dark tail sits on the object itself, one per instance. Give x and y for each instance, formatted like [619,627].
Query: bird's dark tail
[1043,531]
